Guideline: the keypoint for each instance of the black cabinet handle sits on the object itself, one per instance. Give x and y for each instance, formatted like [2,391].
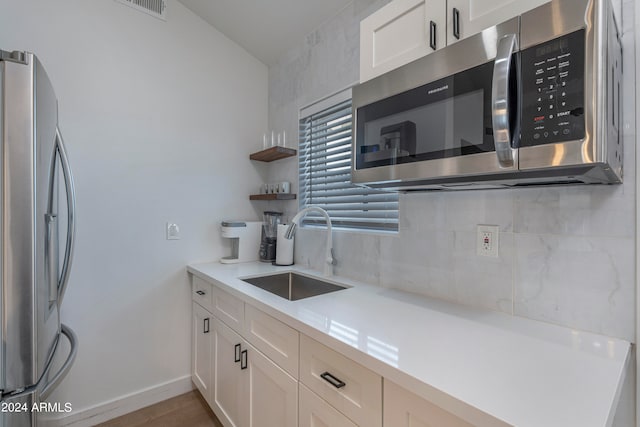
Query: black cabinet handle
[456,23]
[237,353]
[336,382]
[200,292]
[432,35]
[206,325]
[243,361]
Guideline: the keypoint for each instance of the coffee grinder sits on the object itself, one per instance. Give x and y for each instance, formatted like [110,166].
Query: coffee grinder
[270,221]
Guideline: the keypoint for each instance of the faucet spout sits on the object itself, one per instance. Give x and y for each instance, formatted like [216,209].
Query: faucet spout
[330,261]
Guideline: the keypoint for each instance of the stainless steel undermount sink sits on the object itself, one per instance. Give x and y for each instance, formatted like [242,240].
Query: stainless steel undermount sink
[293,286]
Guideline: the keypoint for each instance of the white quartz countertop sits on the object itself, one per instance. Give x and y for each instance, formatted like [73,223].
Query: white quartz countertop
[480,365]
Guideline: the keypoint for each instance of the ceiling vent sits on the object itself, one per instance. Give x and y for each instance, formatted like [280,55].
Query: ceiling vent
[157,8]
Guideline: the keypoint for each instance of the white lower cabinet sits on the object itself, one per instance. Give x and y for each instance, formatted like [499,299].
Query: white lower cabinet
[405,409]
[248,388]
[228,399]
[201,351]
[272,395]
[243,386]
[253,382]
[349,387]
[201,292]
[273,338]
[228,308]
[315,412]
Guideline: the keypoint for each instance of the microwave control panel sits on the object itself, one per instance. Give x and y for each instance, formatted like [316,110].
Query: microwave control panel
[553,91]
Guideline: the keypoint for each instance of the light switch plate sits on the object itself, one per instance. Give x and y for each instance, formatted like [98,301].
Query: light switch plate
[173,231]
[487,240]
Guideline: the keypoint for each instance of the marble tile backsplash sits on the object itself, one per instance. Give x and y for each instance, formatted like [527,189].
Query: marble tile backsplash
[586,282]
[567,254]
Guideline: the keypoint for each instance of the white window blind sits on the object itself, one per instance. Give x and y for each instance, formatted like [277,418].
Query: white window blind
[325,173]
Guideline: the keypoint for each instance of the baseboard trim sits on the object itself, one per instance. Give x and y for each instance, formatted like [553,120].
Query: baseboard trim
[122,405]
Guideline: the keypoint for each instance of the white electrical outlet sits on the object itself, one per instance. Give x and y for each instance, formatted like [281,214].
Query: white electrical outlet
[487,240]
[173,231]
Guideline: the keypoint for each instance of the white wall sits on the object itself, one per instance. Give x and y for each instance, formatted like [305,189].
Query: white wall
[159,119]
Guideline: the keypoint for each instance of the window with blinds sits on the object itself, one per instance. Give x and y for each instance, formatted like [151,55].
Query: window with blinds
[325,171]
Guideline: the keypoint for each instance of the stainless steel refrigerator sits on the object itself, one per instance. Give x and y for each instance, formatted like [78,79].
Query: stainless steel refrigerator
[37,226]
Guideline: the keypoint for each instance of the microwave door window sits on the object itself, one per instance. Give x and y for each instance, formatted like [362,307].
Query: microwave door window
[467,126]
[446,128]
[447,118]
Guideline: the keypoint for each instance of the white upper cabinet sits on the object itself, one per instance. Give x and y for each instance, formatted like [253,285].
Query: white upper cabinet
[436,21]
[468,17]
[397,34]
[405,30]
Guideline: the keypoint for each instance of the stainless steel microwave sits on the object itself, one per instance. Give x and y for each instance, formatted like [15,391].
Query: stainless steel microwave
[534,100]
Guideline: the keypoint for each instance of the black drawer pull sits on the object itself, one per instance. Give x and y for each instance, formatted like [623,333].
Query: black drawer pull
[237,353]
[432,35]
[200,293]
[332,380]
[456,23]
[206,325]
[243,362]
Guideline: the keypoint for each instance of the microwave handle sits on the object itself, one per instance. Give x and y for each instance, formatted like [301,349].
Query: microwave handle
[500,96]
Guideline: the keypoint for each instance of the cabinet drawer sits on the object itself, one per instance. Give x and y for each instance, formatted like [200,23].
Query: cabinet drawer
[315,412]
[276,340]
[405,409]
[201,292]
[228,308]
[348,386]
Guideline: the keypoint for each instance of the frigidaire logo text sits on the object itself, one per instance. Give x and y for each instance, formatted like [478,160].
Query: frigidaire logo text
[438,89]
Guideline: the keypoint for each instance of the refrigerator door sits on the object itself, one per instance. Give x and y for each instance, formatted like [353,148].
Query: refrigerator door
[47,221]
[20,415]
[30,308]
[19,410]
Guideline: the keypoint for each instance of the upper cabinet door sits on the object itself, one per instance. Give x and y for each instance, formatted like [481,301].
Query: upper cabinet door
[398,33]
[405,30]
[468,17]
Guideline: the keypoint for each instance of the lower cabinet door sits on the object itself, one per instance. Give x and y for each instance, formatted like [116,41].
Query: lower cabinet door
[201,350]
[405,409]
[272,394]
[249,390]
[315,412]
[227,386]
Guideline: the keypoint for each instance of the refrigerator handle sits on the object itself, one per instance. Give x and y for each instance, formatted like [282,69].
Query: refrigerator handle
[52,383]
[51,260]
[59,376]
[71,212]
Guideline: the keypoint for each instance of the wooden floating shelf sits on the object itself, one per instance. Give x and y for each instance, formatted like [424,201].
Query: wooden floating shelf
[275,196]
[273,153]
